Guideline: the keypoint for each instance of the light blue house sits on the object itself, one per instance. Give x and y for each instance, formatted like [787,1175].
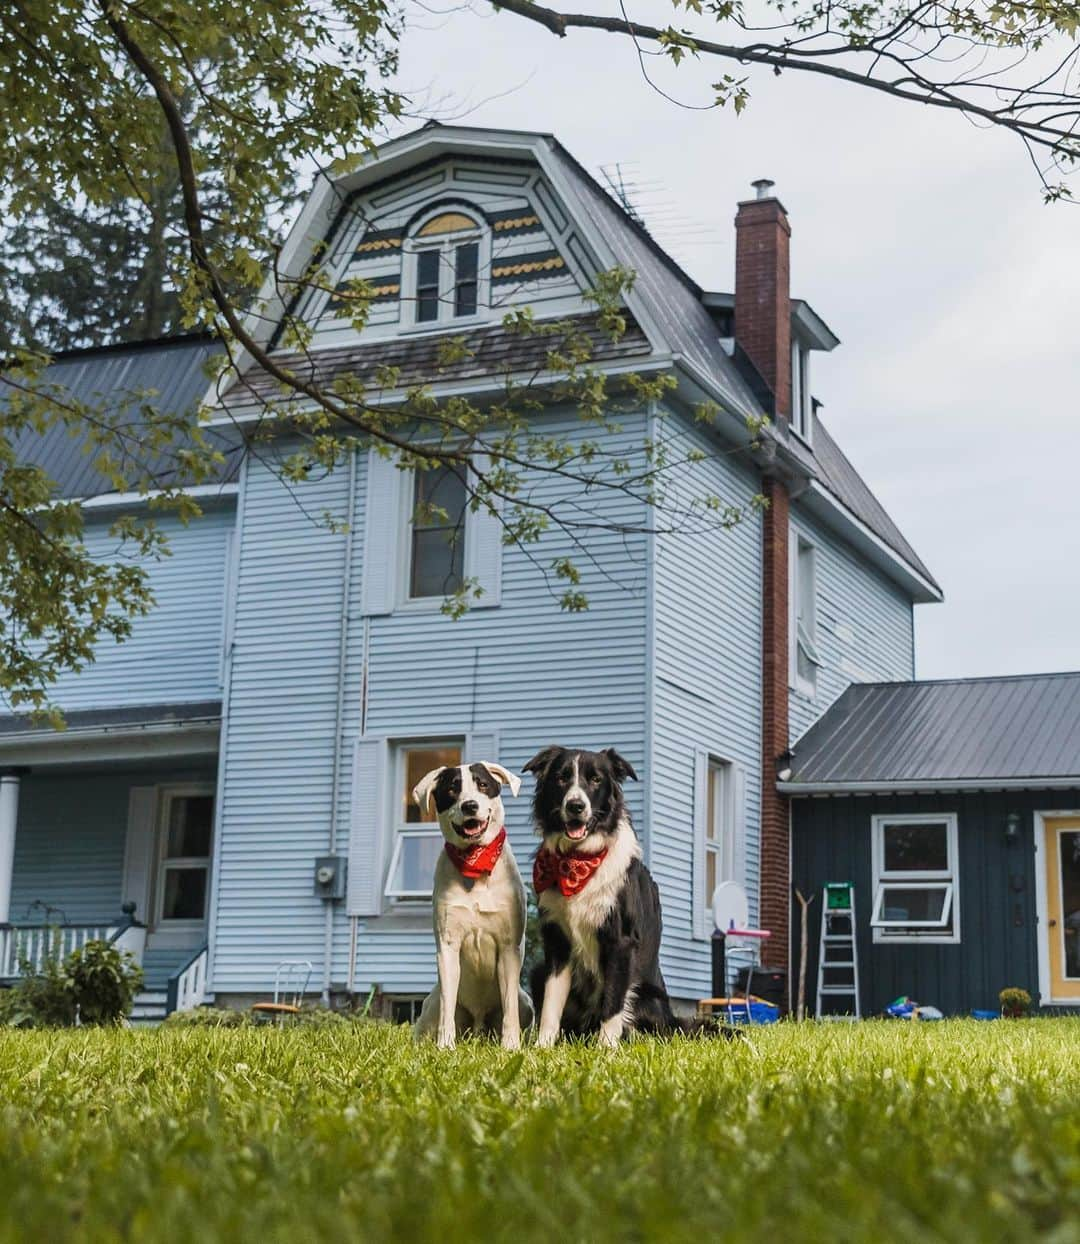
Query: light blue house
[293,682]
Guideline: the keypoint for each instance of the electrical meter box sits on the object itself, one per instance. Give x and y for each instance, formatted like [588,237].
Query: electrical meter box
[330,877]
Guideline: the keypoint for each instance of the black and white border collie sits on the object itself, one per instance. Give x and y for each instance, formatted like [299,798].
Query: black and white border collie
[478,909]
[599,907]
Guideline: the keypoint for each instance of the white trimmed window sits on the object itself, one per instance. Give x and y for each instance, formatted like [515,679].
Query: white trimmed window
[719,821]
[916,882]
[803,642]
[802,407]
[446,259]
[417,839]
[436,538]
[183,880]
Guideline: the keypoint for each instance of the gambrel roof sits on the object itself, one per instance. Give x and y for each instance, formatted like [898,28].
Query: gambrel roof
[670,326]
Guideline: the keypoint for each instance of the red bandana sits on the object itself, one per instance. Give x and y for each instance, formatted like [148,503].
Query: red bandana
[571,873]
[476,862]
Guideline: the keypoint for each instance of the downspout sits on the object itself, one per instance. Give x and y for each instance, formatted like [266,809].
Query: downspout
[339,714]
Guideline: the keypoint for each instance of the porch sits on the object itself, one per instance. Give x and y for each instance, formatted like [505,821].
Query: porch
[106,832]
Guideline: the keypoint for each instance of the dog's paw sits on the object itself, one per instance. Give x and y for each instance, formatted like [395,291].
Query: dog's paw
[446,1042]
[545,1040]
[511,1040]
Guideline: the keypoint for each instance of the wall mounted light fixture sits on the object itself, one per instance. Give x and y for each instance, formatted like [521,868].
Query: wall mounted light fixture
[1012,829]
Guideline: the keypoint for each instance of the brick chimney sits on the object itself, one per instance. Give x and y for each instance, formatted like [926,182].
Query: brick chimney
[762,291]
[763,330]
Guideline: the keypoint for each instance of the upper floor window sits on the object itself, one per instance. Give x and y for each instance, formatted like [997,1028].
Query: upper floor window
[802,405]
[804,624]
[437,533]
[444,259]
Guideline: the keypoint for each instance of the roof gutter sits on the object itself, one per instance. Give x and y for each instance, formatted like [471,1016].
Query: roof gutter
[918,786]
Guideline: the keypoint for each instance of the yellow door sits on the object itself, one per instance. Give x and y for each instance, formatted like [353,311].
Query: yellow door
[1063,905]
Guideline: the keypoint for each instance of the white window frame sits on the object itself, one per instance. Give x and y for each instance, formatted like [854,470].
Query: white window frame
[401,829]
[933,932]
[166,795]
[446,243]
[720,795]
[406,524]
[800,635]
[802,403]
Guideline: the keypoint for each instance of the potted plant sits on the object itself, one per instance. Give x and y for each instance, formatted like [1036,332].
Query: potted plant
[1015,1003]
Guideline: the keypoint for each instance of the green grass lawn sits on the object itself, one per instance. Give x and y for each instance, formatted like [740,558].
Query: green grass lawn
[949,1131]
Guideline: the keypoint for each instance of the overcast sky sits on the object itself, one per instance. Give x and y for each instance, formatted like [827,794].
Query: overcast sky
[921,241]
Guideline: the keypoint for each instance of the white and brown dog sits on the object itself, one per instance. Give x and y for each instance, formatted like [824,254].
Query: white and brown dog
[478,905]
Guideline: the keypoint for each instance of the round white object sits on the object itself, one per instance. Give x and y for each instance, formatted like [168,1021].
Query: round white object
[730,906]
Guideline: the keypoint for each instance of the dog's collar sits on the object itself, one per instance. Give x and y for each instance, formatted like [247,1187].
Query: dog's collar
[476,862]
[571,873]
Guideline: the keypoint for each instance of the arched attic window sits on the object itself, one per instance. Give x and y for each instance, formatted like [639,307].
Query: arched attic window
[447,251]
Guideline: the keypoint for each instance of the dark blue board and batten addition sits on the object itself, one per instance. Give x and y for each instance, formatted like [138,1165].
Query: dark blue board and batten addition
[999,931]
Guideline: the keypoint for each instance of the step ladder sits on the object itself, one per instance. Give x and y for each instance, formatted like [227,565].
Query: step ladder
[838,953]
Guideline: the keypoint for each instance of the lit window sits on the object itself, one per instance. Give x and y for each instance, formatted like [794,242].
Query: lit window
[446,268]
[802,403]
[915,878]
[417,837]
[184,874]
[437,521]
[720,829]
[805,658]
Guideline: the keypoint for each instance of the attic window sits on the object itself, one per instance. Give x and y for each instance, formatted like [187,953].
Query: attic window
[802,406]
[445,254]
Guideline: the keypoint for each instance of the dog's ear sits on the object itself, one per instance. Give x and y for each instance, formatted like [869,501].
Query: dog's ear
[541,760]
[623,768]
[423,789]
[504,775]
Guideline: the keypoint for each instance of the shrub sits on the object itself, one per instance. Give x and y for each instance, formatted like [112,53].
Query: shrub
[104,982]
[95,984]
[1015,1003]
[208,1017]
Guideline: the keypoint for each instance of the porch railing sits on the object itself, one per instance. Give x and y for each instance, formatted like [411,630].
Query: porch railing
[27,947]
[187,985]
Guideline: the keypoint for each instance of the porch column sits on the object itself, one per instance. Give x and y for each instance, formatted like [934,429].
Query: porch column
[9,815]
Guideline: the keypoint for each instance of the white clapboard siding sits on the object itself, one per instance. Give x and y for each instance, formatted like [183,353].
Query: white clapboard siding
[173,654]
[864,627]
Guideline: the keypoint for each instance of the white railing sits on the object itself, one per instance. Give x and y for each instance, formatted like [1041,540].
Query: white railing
[187,987]
[28,947]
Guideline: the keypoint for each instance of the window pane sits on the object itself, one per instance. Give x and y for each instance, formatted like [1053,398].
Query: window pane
[438,557]
[466,261]
[901,906]
[917,848]
[185,894]
[191,823]
[444,489]
[427,285]
[714,824]
[1069,847]
[415,869]
[710,876]
[418,761]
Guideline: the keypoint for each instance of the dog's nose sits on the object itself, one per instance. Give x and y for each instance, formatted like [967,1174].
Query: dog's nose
[470,807]
[575,806]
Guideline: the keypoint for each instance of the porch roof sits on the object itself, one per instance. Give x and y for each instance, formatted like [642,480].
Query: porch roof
[127,732]
[979,733]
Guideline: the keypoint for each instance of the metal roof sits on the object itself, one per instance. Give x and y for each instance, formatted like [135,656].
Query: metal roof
[172,369]
[978,732]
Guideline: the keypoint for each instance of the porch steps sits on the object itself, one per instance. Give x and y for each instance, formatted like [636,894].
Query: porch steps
[149,1009]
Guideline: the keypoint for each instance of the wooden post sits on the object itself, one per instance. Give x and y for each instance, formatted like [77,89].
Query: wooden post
[804,905]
